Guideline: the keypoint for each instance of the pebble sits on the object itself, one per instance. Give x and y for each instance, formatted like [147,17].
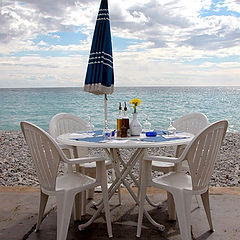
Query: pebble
[16,166]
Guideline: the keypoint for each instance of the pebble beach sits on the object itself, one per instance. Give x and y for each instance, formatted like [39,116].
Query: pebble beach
[16,168]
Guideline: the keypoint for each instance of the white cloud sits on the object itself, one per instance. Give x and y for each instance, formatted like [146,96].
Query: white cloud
[42,43]
[28,71]
[232,5]
[164,23]
[171,41]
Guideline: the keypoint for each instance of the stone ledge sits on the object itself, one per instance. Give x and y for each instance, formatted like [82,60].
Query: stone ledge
[213,190]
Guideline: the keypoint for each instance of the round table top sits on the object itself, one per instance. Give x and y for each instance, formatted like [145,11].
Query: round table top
[74,139]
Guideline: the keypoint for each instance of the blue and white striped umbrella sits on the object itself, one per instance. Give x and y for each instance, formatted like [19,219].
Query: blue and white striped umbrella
[100,76]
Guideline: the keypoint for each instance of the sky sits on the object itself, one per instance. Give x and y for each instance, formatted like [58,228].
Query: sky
[46,43]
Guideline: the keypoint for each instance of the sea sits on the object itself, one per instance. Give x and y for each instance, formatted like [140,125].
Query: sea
[39,105]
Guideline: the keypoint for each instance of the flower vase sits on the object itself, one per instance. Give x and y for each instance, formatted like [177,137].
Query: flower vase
[135,126]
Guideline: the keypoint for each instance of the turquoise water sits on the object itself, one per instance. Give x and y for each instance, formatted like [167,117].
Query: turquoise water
[38,105]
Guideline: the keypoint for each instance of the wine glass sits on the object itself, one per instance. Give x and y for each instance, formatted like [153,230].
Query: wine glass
[171,129]
[147,125]
[106,132]
[90,126]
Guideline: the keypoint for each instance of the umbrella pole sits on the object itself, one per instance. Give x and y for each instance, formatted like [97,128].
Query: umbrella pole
[105,111]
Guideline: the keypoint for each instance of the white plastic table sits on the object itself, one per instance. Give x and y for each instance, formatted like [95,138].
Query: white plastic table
[113,149]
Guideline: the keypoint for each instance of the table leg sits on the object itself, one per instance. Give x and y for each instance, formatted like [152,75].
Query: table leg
[116,183]
[120,178]
[79,207]
[139,180]
[116,165]
[138,155]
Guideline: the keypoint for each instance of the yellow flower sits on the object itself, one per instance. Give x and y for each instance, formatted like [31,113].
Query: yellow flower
[136,102]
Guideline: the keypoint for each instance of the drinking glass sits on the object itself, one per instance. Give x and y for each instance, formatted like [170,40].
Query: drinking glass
[146,125]
[107,133]
[171,129]
[90,126]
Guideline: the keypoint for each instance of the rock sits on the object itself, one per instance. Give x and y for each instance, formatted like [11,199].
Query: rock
[16,166]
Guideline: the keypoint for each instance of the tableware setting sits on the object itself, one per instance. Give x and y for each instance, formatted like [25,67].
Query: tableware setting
[126,131]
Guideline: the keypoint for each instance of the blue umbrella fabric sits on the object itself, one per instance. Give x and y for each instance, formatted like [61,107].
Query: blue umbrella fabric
[100,75]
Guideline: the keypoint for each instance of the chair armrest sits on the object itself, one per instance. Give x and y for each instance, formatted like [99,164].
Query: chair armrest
[162,159]
[64,146]
[83,160]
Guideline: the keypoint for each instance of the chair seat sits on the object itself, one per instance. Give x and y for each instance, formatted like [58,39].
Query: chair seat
[72,181]
[174,180]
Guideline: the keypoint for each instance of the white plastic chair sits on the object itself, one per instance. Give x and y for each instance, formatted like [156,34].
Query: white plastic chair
[201,154]
[69,123]
[192,123]
[46,156]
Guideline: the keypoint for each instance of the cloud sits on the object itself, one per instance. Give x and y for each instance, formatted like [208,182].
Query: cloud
[177,23]
[232,5]
[28,71]
[164,40]
[163,23]
[138,69]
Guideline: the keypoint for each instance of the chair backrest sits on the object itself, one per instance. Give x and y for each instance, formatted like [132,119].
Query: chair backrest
[66,123]
[192,123]
[45,154]
[201,153]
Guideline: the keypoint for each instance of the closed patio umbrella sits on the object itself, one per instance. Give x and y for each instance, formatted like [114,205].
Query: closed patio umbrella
[100,77]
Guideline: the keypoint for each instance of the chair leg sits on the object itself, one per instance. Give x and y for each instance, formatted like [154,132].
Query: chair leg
[90,194]
[206,204]
[171,207]
[197,201]
[42,206]
[77,207]
[83,195]
[64,210]
[90,173]
[183,207]
[83,202]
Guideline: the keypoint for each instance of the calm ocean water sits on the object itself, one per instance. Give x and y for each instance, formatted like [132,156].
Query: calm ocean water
[38,105]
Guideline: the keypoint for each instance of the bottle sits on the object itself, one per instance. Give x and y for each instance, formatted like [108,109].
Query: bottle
[119,121]
[125,122]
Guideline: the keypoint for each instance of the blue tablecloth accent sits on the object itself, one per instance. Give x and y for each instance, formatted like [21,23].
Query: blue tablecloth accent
[96,139]
[161,132]
[95,133]
[160,138]
[98,132]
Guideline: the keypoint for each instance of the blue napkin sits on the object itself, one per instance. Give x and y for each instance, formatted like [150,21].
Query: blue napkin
[90,139]
[97,136]
[160,138]
[97,132]
[164,132]
[161,132]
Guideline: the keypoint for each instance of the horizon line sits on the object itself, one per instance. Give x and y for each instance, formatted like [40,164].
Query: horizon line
[141,86]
